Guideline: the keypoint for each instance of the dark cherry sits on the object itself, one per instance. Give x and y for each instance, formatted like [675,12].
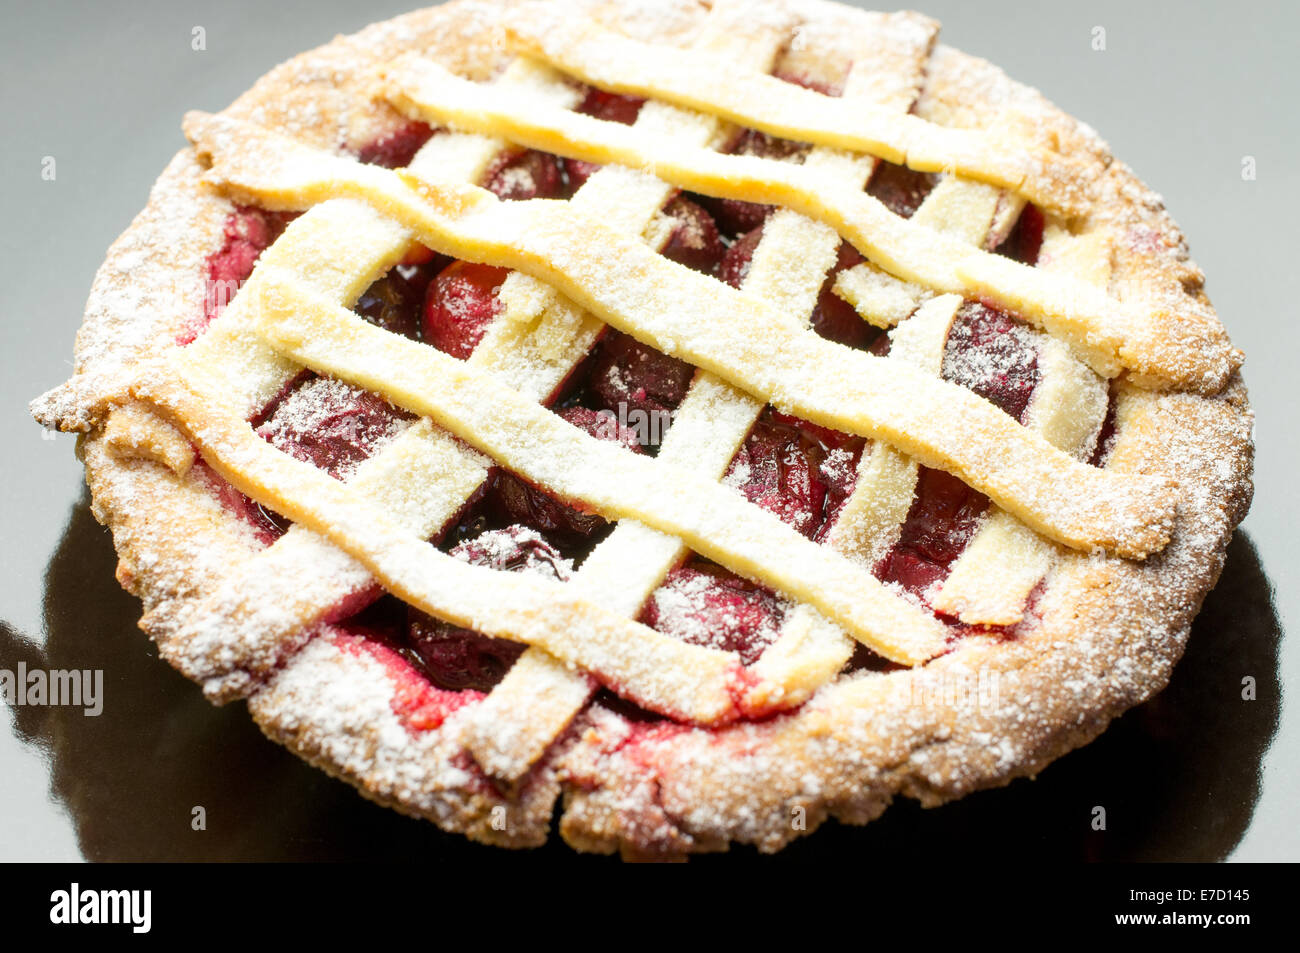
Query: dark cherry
[627,375]
[458,659]
[329,424]
[704,604]
[394,303]
[994,355]
[515,500]
[829,438]
[694,241]
[780,469]
[526,174]
[460,304]
[602,424]
[1025,240]
[899,188]
[943,516]
[941,521]
[735,264]
[733,216]
[602,105]
[397,148]
[914,573]
[834,318]
[614,107]
[838,468]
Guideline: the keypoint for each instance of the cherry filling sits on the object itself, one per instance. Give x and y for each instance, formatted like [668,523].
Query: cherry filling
[526,174]
[901,189]
[396,301]
[460,305]
[942,520]
[735,265]
[627,375]
[832,318]
[1025,239]
[266,524]
[1106,438]
[248,232]
[798,472]
[734,217]
[456,658]
[331,425]
[993,355]
[602,105]
[704,604]
[694,240]
[512,499]
[396,149]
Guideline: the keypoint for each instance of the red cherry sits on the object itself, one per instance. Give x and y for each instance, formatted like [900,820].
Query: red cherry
[994,355]
[943,516]
[779,469]
[578,171]
[526,174]
[458,659]
[602,105]
[516,500]
[704,604]
[396,149]
[694,241]
[329,424]
[834,318]
[603,425]
[914,573]
[1026,238]
[265,523]
[828,437]
[733,216]
[941,521]
[627,375]
[900,189]
[614,107]
[248,232]
[460,304]
[394,304]
[735,264]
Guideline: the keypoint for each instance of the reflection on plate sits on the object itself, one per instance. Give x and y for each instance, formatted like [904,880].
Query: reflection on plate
[1178,776]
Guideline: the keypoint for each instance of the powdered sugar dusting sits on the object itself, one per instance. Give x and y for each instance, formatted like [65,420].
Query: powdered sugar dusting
[1103,637]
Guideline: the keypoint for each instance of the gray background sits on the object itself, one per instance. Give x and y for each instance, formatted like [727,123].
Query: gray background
[1182,92]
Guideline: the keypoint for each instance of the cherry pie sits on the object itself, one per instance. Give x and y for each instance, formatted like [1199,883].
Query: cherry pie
[723,415]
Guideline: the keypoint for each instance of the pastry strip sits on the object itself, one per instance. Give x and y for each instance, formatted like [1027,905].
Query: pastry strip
[990,582]
[547,450]
[789,267]
[692,78]
[533,347]
[660,672]
[747,343]
[1097,326]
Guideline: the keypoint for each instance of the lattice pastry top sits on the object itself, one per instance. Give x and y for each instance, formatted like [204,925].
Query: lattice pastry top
[694,410]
